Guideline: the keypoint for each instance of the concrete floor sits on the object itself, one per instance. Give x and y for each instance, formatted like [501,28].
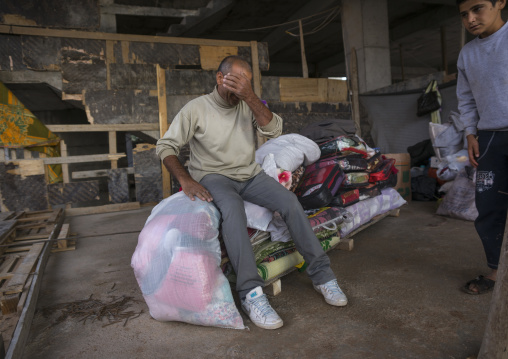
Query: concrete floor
[402,280]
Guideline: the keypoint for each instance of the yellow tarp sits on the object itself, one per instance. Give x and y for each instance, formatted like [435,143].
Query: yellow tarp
[19,128]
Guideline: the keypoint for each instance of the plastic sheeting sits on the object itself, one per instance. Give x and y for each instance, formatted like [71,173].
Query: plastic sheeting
[393,120]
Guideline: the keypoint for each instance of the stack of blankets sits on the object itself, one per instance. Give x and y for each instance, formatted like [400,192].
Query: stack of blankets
[341,184]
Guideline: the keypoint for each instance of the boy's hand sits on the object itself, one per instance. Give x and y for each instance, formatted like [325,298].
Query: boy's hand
[239,84]
[473,149]
[192,188]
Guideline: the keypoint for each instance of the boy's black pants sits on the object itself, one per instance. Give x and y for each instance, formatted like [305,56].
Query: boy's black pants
[491,180]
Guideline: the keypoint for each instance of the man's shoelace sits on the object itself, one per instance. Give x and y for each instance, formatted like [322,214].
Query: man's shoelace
[333,288]
[262,305]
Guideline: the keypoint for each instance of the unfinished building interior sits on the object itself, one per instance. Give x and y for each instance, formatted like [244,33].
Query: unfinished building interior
[88,87]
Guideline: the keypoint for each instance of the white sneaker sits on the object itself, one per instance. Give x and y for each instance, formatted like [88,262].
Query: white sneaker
[332,293]
[256,306]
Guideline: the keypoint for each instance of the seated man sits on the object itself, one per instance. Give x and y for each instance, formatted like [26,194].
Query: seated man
[219,128]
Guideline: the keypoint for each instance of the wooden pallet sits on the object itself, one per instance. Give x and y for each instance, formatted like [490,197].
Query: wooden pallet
[25,244]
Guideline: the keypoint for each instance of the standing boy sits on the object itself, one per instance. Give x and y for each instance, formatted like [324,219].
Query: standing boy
[482,91]
[220,130]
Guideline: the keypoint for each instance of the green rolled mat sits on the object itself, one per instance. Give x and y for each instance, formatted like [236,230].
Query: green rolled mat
[270,270]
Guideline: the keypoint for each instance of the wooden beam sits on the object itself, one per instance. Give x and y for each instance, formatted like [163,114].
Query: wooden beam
[38,31]
[355,100]
[18,280]
[105,128]
[146,11]
[256,79]
[75,159]
[96,173]
[163,126]
[65,166]
[112,148]
[305,69]
[102,209]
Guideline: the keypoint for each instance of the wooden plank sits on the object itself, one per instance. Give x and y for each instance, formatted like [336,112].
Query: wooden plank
[102,209]
[305,69]
[346,244]
[9,303]
[6,229]
[65,166]
[274,288]
[105,128]
[77,159]
[305,90]
[32,236]
[163,126]
[110,59]
[256,79]
[337,91]
[18,249]
[211,56]
[22,330]
[62,236]
[113,148]
[33,219]
[125,51]
[37,31]
[7,266]
[355,100]
[24,295]
[18,280]
[97,173]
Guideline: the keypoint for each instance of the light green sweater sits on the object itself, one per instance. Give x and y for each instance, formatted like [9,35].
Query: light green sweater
[221,137]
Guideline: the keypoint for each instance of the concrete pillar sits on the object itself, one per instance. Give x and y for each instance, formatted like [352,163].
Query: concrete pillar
[365,27]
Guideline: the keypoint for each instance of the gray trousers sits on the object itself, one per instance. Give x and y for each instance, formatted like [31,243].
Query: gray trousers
[228,195]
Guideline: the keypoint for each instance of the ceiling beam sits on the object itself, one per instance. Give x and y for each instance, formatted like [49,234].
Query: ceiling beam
[278,39]
[146,11]
[430,19]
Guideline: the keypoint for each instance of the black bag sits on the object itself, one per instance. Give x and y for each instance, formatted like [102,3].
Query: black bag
[319,185]
[428,101]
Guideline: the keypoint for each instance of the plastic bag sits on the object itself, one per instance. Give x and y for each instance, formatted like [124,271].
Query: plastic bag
[429,101]
[176,264]
[459,201]
[289,151]
[363,211]
[451,165]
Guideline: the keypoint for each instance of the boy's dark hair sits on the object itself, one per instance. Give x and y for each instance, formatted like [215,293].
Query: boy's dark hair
[461,1]
[227,63]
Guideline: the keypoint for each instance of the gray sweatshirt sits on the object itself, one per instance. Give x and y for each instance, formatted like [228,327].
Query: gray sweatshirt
[482,83]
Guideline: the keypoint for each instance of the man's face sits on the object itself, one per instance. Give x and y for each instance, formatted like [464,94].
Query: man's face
[480,17]
[226,94]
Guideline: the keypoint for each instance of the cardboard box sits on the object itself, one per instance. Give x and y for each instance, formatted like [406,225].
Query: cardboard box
[403,164]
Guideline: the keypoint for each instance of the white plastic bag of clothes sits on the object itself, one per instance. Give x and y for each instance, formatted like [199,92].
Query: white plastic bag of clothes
[290,151]
[459,201]
[451,165]
[176,264]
